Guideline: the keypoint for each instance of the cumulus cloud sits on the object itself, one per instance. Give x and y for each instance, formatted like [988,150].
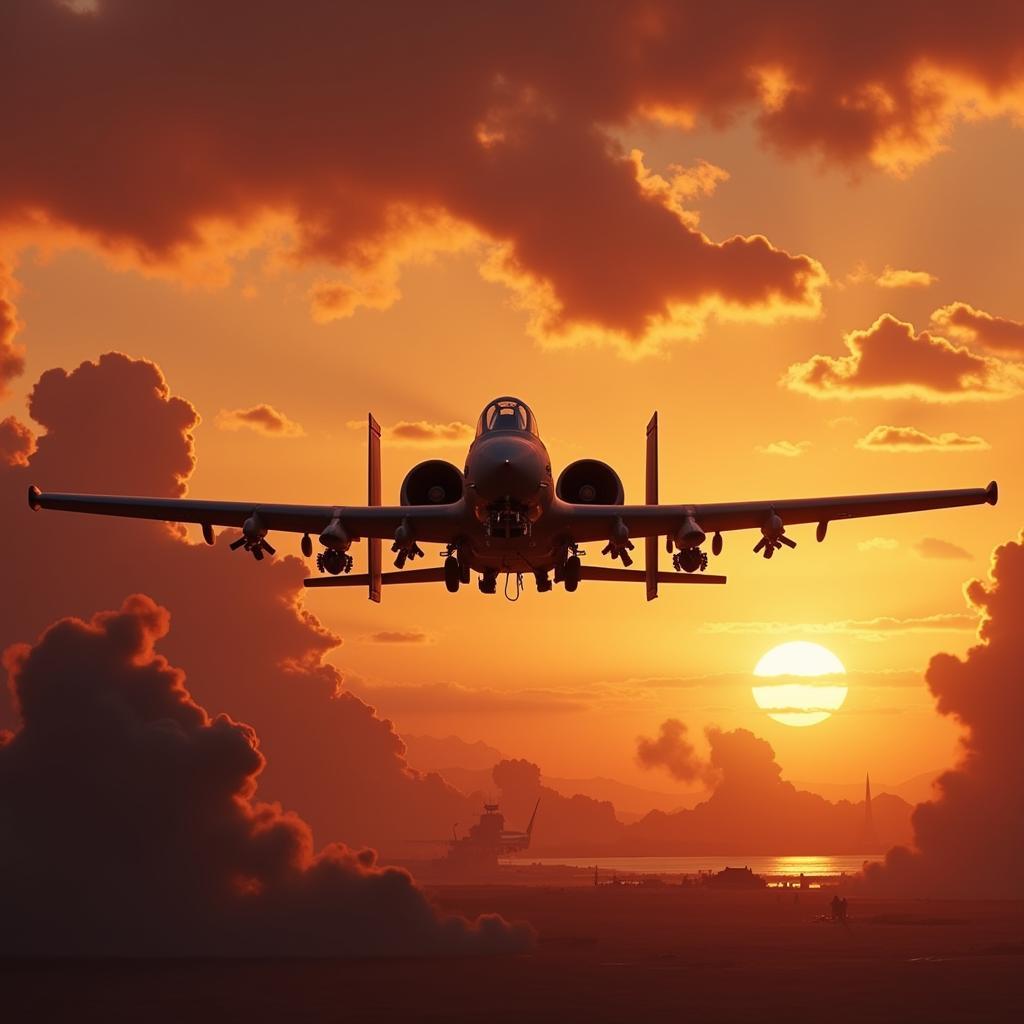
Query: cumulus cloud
[787,449]
[242,633]
[996,333]
[16,442]
[891,360]
[670,750]
[891,277]
[131,824]
[422,433]
[969,841]
[875,629]
[910,439]
[933,547]
[126,404]
[12,355]
[263,419]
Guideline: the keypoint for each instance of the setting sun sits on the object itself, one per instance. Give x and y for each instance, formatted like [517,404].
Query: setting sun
[800,703]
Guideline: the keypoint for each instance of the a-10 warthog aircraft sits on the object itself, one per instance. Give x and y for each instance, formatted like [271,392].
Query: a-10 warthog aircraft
[505,513]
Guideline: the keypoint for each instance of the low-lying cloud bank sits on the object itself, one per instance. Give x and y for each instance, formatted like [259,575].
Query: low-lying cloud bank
[131,826]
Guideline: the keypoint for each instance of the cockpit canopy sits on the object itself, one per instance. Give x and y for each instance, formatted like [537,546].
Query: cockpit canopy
[506,414]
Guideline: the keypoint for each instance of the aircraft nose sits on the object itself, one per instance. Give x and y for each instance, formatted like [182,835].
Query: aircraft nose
[510,470]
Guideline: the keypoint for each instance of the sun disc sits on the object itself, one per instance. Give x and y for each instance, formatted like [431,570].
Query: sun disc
[792,698]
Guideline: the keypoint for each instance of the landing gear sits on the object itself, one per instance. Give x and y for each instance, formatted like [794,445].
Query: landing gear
[333,561]
[543,582]
[571,573]
[459,553]
[488,582]
[690,560]
[452,574]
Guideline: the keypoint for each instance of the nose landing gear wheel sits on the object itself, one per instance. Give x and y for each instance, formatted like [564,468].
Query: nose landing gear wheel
[452,575]
[571,573]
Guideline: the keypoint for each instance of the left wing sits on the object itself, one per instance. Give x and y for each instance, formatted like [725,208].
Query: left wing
[432,523]
[594,522]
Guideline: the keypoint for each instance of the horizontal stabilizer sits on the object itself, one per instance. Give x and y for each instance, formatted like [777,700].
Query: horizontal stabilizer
[607,575]
[362,579]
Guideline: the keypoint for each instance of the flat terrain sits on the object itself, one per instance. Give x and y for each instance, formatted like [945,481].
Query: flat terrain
[609,954]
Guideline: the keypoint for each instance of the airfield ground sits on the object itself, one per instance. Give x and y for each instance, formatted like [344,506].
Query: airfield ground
[609,954]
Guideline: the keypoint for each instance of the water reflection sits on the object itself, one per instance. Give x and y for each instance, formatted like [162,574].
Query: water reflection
[789,867]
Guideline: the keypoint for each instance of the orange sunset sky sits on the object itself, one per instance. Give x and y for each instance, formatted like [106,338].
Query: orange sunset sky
[328,258]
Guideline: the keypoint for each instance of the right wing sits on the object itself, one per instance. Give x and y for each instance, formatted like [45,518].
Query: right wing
[433,523]
[594,522]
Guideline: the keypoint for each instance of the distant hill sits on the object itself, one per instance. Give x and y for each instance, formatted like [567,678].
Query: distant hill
[915,791]
[467,766]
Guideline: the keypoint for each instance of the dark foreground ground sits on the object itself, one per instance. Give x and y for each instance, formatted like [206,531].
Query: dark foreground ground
[602,955]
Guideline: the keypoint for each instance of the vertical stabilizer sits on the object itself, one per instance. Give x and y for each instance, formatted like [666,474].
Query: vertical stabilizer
[651,543]
[373,544]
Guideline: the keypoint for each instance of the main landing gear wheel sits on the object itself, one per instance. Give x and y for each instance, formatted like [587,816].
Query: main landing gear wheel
[452,574]
[488,582]
[571,573]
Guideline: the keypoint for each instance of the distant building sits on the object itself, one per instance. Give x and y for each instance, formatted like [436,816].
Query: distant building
[735,878]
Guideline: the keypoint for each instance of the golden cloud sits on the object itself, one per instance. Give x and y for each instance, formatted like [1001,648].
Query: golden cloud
[422,433]
[996,333]
[910,439]
[263,419]
[891,360]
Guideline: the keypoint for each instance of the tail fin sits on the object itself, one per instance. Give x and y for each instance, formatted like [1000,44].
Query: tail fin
[651,543]
[529,828]
[373,544]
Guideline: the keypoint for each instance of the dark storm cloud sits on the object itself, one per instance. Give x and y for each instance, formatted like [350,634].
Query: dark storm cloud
[249,646]
[969,841]
[131,828]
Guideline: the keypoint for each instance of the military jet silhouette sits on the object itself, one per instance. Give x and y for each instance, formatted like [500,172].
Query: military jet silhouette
[505,513]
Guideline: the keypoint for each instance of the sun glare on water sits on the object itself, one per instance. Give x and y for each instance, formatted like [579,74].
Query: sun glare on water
[806,683]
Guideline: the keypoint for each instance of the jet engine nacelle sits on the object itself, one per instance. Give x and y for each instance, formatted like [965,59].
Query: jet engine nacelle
[434,482]
[590,482]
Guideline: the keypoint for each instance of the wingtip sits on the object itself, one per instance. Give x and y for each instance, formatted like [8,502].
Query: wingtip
[34,494]
[992,493]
